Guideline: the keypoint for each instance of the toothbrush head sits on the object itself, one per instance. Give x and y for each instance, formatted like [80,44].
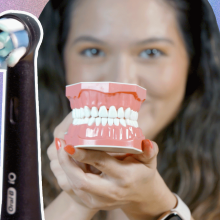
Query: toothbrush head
[20,34]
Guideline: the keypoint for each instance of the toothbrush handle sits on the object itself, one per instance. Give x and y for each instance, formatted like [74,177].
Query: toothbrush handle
[20,168]
[21,186]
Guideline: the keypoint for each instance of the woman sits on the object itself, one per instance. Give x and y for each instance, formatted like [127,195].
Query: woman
[172,49]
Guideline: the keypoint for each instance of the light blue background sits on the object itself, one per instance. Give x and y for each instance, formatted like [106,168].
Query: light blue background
[216,8]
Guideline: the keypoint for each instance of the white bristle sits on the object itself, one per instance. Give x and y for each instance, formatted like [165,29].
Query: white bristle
[11,25]
[15,56]
[1,45]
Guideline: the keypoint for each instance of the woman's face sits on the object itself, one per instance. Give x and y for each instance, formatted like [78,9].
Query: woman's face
[135,42]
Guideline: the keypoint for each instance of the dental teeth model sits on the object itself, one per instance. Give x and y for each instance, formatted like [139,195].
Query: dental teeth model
[85,114]
[105,116]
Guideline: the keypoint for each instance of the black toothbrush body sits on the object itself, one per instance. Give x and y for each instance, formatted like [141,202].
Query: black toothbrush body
[21,190]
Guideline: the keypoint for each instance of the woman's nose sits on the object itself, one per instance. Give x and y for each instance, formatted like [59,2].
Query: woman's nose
[123,70]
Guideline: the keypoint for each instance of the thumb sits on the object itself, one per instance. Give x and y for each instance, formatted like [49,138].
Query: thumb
[149,156]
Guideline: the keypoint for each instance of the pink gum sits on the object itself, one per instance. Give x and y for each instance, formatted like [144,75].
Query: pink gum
[94,98]
[107,94]
[104,135]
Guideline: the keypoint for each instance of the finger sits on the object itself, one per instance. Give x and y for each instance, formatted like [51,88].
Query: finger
[87,182]
[104,187]
[60,175]
[99,159]
[96,186]
[98,202]
[149,155]
[92,169]
[72,170]
[119,156]
[122,157]
[60,130]
[51,151]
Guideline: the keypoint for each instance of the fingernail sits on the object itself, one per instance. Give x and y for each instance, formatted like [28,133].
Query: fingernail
[57,143]
[148,144]
[70,149]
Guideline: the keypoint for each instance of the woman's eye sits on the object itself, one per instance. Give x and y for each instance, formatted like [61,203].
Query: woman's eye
[92,52]
[151,53]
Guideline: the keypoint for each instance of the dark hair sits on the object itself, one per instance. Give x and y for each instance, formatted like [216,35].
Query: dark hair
[190,144]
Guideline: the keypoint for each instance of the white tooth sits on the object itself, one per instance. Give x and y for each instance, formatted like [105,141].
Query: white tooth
[82,114]
[75,122]
[121,113]
[132,123]
[104,121]
[103,113]
[110,121]
[116,121]
[112,112]
[91,121]
[77,113]
[128,121]
[87,111]
[94,112]
[98,121]
[83,121]
[135,124]
[80,121]
[74,113]
[132,115]
[127,113]
[122,122]
[86,120]
[136,116]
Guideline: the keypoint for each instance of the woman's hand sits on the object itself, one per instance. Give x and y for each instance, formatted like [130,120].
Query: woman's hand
[131,183]
[61,176]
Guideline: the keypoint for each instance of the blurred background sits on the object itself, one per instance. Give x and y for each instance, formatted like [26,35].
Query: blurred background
[35,7]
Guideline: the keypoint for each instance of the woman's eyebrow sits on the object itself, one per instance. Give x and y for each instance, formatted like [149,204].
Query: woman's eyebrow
[146,41]
[153,40]
[88,38]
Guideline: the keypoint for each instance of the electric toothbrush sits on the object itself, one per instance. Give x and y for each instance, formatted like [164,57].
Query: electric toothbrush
[21,164]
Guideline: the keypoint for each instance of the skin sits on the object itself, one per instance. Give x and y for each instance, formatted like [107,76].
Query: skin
[121,57]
